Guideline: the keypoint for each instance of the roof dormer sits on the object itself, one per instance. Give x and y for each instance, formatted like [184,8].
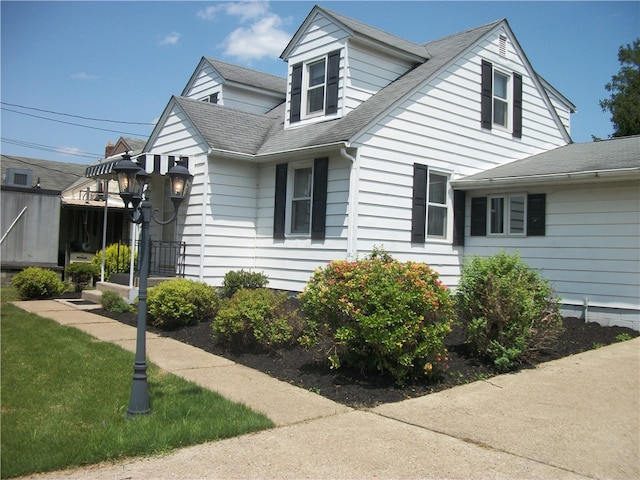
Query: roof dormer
[336,63]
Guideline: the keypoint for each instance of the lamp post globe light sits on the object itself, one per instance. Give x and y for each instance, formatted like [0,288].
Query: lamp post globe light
[132,183]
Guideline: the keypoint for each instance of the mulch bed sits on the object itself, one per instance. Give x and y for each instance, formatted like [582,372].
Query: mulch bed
[298,367]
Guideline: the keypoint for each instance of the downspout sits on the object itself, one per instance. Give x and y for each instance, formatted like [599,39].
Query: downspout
[352,224]
[203,220]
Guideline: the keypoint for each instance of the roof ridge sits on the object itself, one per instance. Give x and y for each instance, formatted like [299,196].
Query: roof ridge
[236,66]
[224,107]
[463,32]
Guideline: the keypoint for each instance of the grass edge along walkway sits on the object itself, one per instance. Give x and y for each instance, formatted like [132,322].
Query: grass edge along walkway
[64,398]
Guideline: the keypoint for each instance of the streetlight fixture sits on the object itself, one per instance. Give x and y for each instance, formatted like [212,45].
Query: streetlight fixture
[132,182]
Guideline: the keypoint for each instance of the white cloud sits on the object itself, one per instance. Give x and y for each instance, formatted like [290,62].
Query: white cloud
[69,150]
[84,76]
[260,36]
[170,39]
[245,10]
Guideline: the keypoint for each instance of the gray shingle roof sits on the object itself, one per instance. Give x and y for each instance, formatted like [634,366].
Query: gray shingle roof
[619,155]
[235,130]
[247,76]
[53,175]
[378,35]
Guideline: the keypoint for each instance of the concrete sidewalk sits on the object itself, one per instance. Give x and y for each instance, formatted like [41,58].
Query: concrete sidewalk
[578,417]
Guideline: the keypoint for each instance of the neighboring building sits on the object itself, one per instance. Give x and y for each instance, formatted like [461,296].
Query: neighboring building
[369,141]
[43,199]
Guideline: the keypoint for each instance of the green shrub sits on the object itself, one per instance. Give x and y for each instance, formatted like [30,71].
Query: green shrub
[113,302]
[509,311]
[380,314]
[235,280]
[81,274]
[259,318]
[117,259]
[36,282]
[180,302]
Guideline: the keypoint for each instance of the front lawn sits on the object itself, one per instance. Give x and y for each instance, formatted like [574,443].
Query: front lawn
[65,395]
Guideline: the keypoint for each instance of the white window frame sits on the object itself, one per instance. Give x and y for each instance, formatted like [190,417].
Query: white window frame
[291,177]
[446,205]
[508,221]
[306,77]
[508,100]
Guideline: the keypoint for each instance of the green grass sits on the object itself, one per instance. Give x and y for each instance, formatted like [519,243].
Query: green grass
[64,399]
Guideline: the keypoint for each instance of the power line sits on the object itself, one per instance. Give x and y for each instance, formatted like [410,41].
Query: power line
[75,116]
[74,124]
[49,148]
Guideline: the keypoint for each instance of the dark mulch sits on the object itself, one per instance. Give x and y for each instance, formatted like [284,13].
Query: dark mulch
[298,367]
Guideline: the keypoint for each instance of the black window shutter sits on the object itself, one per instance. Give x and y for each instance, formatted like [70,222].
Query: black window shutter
[319,212]
[419,207]
[296,93]
[280,204]
[517,105]
[536,212]
[459,198]
[478,216]
[333,80]
[487,95]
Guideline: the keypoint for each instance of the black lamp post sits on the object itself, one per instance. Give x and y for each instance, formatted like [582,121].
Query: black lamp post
[132,180]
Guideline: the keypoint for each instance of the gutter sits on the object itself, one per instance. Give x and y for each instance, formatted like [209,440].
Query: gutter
[554,178]
[352,224]
[283,154]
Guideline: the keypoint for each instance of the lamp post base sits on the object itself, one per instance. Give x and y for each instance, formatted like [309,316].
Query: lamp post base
[139,400]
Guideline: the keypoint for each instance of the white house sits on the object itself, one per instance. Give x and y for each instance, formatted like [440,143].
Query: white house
[375,140]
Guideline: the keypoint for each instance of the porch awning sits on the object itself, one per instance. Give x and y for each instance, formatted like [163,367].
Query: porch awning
[152,164]
[102,170]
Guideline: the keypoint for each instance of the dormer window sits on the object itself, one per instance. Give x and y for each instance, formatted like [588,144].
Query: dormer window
[314,87]
[316,75]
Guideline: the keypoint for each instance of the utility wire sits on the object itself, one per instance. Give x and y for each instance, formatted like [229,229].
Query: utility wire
[49,148]
[74,124]
[74,116]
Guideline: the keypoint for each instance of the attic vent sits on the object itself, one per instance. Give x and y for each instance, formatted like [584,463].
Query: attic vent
[503,46]
[18,177]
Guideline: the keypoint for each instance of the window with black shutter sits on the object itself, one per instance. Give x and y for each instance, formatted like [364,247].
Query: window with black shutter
[430,204]
[500,106]
[502,215]
[314,87]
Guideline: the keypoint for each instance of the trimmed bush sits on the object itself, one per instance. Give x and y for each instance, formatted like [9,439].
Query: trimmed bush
[117,259]
[508,310]
[113,302]
[180,302]
[259,318]
[36,283]
[81,274]
[235,280]
[378,314]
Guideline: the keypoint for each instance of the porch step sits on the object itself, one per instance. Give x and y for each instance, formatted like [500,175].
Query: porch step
[126,292]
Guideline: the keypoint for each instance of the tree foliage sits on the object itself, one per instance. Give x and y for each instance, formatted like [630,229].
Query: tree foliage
[624,101]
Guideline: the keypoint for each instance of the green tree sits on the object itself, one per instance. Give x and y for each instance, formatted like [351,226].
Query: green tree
[624,102]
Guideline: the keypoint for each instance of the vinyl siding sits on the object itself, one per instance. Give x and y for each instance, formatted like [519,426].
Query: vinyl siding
[439,126]
[368,72]
[590,249]
[289,263]
[206,82]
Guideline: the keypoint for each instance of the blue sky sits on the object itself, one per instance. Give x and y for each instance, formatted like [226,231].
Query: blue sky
[122,61]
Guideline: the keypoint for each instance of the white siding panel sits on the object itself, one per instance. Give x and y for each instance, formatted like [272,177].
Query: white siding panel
[592,246]
[206,82]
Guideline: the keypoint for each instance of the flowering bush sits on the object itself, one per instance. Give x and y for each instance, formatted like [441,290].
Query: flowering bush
[181,302]
[378,313]
[509,310]
[257,317]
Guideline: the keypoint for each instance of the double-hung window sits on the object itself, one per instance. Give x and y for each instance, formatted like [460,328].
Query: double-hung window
[501,99]
[316,81]
[300,206]
[301,200]
[314,87]
[430,210]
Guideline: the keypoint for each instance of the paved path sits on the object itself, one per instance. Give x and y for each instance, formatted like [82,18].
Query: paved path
[578,417]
